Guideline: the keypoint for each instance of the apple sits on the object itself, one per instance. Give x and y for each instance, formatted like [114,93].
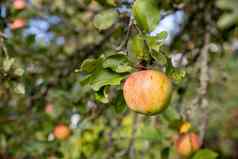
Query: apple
[187,144]
[17,24]
[61,132]
[49,108]
[147,92]
[19,4]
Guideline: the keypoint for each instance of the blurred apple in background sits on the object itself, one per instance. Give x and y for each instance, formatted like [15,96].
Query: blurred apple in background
[61,132]
[187,144]
[19,4]
[17,24]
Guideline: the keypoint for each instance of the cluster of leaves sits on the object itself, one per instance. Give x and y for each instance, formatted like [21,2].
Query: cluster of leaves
[141,48]
[12,73]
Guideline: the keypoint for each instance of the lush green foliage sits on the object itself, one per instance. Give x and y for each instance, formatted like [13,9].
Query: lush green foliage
[68,65]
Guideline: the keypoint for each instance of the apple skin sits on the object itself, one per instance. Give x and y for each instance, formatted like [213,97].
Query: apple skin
[61,132]
[147,92]
[187,144]
[19,4]
[17,24]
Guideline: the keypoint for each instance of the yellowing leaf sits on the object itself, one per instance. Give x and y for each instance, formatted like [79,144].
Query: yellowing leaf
[185,126]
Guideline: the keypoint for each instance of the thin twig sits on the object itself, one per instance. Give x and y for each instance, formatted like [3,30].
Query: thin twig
[200,102]
[204,78]
[124,42]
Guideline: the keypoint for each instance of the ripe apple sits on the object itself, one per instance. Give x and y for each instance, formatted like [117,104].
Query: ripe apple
[187,144]
[147,92]
[61,132]
[17,24]
[19,4]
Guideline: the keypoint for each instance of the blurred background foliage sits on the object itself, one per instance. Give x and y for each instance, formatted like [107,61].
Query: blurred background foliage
[42,84]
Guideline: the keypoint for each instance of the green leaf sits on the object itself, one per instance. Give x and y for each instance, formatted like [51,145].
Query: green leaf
[147,14]
[84,80]
[159,57]
[120,105]
[162,35]
[230,18]
[165,153]
[102,95]
[118,63]
[226,4]
[170,114]
[137,48]
[205,154]
[89,65]
[156,39]
[105,19]
[153,43]
[227,20]
[175,124]
[152,40]
[177,74]
[7,64]
[30,39]
[105,77]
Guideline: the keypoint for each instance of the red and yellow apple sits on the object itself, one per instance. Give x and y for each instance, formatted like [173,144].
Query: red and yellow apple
[61,132]
[17,24]
[187,144]
[19,4]
[147,92]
